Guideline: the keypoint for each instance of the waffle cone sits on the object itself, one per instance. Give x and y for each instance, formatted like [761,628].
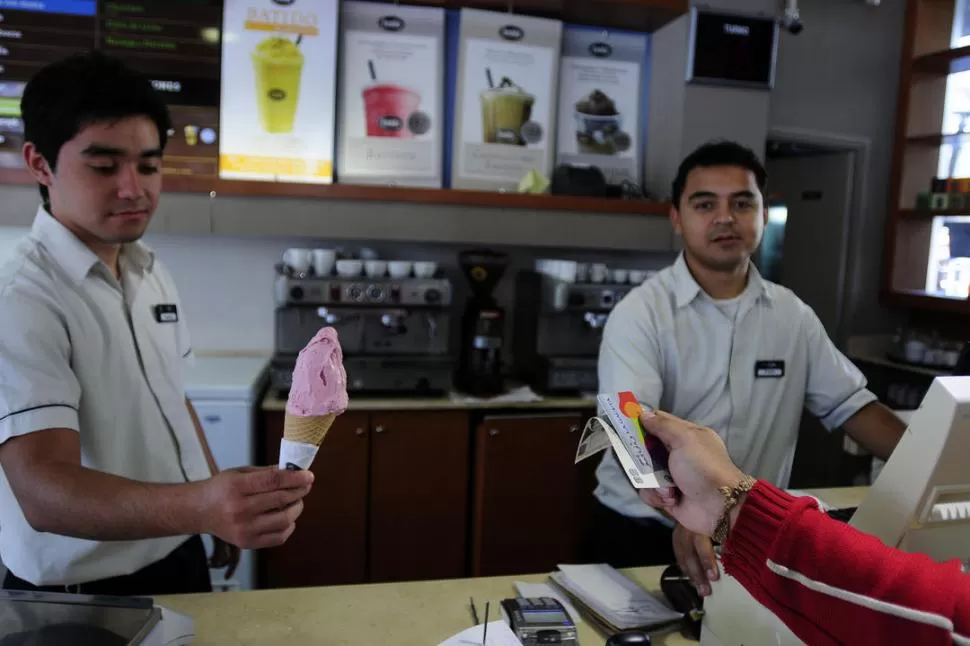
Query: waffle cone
[309,430]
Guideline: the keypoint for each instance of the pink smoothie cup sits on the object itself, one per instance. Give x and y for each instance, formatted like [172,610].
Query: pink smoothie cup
[388,107]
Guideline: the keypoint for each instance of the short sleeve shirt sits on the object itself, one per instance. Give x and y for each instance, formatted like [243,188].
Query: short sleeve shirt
[747,371]
[83,350]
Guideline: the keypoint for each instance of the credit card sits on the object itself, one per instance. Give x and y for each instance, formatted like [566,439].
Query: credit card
[642,456]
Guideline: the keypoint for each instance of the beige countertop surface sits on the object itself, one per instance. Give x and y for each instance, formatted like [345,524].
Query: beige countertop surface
[419,613]
[272,402]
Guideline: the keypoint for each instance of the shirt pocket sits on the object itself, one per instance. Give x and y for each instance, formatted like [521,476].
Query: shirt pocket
[158,341]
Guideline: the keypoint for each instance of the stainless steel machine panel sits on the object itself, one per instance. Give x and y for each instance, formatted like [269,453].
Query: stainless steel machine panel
[363,292]
[394,333]
[558,330]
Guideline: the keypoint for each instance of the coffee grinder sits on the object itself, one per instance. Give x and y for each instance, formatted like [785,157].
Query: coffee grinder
[482,324]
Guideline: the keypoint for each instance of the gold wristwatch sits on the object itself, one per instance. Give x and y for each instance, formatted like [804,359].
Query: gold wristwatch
[732,495]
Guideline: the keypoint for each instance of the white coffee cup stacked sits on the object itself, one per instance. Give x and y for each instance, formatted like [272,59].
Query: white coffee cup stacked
[564,270]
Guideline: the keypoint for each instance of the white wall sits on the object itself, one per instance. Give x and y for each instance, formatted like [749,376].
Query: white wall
[226,286]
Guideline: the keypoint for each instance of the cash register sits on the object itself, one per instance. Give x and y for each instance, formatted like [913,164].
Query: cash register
[919,503]
[42,618]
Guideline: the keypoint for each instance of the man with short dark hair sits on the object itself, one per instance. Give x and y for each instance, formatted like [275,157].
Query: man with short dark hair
[106,480]
[709,340]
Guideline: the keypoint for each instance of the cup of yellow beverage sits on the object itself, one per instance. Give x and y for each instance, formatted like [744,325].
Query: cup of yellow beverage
[191,135]
[278,65]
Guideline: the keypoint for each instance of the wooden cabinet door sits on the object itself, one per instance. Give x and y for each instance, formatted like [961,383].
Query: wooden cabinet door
[530,499]
[329,546]
[419,495]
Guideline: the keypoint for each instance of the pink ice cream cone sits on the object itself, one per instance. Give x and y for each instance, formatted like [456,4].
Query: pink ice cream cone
[318,395]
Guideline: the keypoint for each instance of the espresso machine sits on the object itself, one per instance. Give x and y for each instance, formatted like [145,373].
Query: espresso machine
[482,324]
[558,329]
[394,332]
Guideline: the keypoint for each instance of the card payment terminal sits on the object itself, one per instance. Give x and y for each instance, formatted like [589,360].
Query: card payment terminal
[541,620]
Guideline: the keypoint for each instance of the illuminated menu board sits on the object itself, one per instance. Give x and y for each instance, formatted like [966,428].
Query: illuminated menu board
[32,34]
[176,43]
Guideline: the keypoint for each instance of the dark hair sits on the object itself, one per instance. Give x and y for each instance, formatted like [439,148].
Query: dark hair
[718,153]
[64,97]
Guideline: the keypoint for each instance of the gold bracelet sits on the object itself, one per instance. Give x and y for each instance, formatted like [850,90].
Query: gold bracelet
[732,496]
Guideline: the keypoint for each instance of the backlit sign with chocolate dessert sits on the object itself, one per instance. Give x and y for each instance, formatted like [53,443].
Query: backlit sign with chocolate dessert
[599,102]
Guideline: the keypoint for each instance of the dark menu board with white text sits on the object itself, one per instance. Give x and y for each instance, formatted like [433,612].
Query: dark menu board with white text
[176,43]
[32,34]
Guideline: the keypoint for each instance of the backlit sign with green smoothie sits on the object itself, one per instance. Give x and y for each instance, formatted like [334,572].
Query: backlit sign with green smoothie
[506,103]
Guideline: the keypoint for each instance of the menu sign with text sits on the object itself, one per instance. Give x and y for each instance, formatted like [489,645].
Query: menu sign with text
[390,123]
[33,34]
[278,86]
[599,102]
[176,43]
[173,42]
[506,103]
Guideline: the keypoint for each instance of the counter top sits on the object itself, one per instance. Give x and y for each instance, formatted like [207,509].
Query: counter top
[405,614]
[272,402]
[420,613]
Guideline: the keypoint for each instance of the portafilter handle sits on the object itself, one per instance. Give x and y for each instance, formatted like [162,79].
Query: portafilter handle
[329,317]
[394,322]
[595,320]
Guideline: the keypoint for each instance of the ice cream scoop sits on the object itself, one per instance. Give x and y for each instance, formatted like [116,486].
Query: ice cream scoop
[318,394]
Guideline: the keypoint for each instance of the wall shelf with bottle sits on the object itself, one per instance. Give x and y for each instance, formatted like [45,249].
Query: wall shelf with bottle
[919,214]
[927,233]
[937,139]
[940,62]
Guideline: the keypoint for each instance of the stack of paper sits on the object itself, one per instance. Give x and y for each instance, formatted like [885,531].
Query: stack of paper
[612,599]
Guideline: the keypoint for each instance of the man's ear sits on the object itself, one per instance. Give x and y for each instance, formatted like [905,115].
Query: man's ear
[675,220]
[37,165]
[765,217]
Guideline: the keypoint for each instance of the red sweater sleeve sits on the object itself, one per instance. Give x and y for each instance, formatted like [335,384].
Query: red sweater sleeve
[832,584]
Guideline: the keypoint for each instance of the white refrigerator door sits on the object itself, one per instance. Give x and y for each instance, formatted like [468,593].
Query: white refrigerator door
[228,427]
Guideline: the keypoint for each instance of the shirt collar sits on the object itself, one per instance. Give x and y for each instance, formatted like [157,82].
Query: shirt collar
[73,255]
[686,288]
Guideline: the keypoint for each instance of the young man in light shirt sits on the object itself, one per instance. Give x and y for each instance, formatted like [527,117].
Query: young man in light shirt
[106,480]
[709,340]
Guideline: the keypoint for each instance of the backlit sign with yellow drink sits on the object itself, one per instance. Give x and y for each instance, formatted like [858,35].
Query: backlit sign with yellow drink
[278,84]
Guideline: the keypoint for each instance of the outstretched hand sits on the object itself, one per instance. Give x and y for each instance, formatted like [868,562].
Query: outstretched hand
[699,465]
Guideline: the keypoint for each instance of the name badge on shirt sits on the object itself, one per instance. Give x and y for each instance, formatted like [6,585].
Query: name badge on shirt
[166,313]
[774,369]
